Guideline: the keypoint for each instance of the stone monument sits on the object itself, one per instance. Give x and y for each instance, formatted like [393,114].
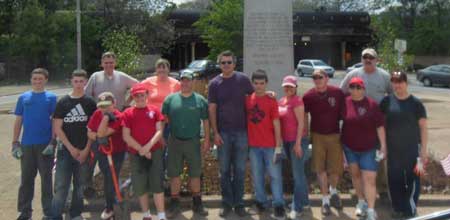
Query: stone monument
[268,39]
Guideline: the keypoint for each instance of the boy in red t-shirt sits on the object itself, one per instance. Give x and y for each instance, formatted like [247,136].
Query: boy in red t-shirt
[142,131]
[264,138]
[105,129]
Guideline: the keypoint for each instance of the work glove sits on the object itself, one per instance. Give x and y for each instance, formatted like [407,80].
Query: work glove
[379,156]
[16,150]
[419,169]
[50,149]
[103,141]
[111,116]
[278,155]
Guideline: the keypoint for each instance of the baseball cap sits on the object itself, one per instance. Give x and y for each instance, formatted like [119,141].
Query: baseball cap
[138,88]
[357,81]
[187,75]
[399,77]
[105,99]
[369,51]
[289,81]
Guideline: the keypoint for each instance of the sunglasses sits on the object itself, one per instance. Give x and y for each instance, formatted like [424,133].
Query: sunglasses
[367,57]
[358,87]
[226,62]
[317,77]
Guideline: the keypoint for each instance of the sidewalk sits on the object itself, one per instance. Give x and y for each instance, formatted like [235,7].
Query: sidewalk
[427,204]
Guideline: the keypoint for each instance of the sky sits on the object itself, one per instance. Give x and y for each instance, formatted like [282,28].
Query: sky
[179,1]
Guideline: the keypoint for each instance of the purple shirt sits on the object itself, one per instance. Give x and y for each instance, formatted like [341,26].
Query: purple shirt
[229,95]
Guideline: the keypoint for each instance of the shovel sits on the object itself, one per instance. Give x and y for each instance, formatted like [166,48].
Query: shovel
[121,209]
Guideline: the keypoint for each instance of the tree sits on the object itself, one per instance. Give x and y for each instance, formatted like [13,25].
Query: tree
[127,48]
[222,27]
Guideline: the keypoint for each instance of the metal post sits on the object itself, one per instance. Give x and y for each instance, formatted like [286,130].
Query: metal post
[78,35]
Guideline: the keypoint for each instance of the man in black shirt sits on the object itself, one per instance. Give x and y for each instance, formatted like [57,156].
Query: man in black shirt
[70,121]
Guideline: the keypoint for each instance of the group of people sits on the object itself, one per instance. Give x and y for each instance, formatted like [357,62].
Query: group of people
[161,130]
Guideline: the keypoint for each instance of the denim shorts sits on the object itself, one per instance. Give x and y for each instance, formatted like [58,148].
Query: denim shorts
[365,160]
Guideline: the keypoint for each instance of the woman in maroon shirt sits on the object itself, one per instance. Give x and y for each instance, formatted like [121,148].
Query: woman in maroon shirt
[362,132]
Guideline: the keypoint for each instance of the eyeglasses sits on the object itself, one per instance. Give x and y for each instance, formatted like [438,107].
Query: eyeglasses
[226,62]
[368,57]
[317,77]
[358,87]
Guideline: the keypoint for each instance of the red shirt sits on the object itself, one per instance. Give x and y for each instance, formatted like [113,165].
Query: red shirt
[288,120]
[361,120]
[142,124]
[261,111]
[117,143]
[325,109]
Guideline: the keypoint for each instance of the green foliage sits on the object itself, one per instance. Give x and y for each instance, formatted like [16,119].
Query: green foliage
[222,27]
[126,46]
[386,32]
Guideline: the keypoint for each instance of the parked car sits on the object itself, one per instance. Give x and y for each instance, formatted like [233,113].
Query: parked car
[435,74]
[354,66]
[307,67]
[202,68]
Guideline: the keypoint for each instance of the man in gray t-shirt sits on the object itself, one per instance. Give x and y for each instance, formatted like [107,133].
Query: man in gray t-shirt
[110,80]
[376,80]
[107,80]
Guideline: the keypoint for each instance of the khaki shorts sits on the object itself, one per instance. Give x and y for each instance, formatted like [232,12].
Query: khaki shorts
[180,151]
[146,174]
[327,153]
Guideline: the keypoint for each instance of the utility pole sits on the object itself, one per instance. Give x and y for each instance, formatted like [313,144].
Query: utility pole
[78,35]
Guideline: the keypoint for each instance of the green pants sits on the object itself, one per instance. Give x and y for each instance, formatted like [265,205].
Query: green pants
[184,150]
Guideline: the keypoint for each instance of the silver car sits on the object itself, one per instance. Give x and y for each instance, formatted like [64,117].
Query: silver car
[355,66]
[307,67]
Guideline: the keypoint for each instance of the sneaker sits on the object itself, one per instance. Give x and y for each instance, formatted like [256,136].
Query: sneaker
[240,211]
[174,208]
[197,206]
[226,210]
[294,214]
[372,215]
[260,207]
[279,212]
[335,201]
[23,217]
[107,214]
[325,210]
[361,209]
[397,215]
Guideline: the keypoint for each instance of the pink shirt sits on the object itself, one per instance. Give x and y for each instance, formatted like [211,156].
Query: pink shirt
[288,120]
[158,91]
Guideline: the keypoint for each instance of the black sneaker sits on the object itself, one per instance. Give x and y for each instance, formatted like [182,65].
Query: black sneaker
[326,211]
[336,202]
[226,210]
[397,215]
[260,207]
[197,206]
[240,211]
[21,217]
[279,212]
[174,208]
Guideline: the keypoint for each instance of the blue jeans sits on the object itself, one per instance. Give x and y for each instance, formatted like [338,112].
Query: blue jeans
[108,184]
[261,160]
[301,191]
[67,169]
[232,159]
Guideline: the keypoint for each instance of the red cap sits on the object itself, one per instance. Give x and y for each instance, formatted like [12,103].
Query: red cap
[357,81]
[138,88]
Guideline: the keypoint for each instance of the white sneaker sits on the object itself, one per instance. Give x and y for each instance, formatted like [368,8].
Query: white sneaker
[107,214]
[294,214]
[361,209]
[371,215]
